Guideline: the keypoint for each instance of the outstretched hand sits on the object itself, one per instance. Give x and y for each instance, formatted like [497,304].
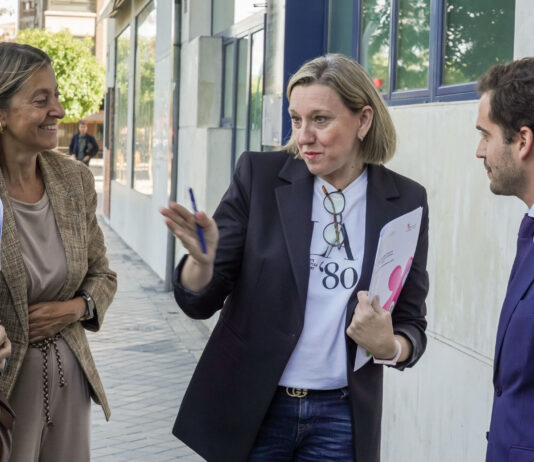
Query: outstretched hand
[182,223]
[372,328]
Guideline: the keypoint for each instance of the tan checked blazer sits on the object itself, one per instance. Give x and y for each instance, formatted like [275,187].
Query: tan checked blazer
[70,187]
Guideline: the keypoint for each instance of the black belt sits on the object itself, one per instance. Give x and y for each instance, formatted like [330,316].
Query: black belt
[304,392]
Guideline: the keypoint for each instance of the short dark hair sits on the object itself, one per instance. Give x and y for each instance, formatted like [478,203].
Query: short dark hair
[511,89]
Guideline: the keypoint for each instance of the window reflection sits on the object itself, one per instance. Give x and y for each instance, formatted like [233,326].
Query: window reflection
[256,92]
[241,106]
[340,25]
[478,34]
[413,40]
[144,99]
[122,52]
[374,43]
[228,80]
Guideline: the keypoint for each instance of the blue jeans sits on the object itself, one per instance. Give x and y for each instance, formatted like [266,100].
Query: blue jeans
[315,428]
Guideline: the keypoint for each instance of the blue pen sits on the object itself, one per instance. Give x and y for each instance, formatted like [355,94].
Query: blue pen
[200,232]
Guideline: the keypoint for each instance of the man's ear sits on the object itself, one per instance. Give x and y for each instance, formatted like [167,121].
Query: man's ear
[525,141]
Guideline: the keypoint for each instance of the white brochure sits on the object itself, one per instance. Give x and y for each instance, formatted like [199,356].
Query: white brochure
[394,256]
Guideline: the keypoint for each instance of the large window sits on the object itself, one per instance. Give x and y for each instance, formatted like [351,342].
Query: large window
[477,34]
[423,50]
[122,53]
[145,51]
[243,91]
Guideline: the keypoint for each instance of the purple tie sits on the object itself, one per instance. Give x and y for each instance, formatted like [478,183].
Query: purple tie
[524,241]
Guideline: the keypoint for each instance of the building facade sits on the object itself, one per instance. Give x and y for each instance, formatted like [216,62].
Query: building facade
[192,84]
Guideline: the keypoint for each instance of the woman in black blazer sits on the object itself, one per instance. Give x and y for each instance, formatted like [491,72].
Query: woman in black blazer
[290,252]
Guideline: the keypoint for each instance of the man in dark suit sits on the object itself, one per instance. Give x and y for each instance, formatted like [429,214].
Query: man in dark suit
[506,122]
[83,146]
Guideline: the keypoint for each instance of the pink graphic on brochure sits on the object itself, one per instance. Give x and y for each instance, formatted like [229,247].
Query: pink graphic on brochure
[394,257]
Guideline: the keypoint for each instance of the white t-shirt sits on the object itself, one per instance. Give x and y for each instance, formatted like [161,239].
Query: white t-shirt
[319,361]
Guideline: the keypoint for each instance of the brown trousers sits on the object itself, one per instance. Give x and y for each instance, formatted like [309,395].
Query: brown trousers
[68,438]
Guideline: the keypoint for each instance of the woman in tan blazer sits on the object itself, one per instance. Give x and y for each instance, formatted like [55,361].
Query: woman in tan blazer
[55,281]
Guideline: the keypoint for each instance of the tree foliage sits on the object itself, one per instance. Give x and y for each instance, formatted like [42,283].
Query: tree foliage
[79,75]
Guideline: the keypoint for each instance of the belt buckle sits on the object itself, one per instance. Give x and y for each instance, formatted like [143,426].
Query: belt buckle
[296,392]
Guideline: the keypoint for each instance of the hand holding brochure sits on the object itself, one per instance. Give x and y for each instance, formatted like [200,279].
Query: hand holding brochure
[394,256]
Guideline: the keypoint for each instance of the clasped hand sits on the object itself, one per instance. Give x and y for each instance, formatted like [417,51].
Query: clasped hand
[48,318]
[371,327]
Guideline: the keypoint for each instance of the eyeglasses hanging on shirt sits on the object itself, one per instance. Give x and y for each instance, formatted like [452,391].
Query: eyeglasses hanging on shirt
[334,203]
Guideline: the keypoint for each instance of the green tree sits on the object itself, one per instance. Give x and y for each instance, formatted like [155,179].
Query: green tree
[79,75]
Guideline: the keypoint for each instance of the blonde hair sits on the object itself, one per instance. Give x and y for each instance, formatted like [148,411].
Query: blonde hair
[17,64]
[356,90]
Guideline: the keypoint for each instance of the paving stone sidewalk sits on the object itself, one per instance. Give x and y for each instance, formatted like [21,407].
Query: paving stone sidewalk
[145,353]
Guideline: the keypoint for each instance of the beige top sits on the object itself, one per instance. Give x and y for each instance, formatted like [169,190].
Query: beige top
[42,249]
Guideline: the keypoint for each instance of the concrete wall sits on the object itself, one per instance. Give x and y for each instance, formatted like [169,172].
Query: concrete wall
[524,17]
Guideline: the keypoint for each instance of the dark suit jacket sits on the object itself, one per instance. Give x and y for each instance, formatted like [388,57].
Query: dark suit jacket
[511,435]
[260,281]
[91,146]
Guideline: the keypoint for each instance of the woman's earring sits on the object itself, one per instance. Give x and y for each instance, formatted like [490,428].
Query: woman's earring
[360,138]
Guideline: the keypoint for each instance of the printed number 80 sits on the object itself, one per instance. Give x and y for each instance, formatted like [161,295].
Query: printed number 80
[348,277]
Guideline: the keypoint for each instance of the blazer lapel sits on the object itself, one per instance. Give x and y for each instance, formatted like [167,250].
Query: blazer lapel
[379,210]
[12,264]
[69,219]
[518,286]
[295,206]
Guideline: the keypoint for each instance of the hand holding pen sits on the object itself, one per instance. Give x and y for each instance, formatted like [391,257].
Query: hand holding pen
[200,232]
[199,235]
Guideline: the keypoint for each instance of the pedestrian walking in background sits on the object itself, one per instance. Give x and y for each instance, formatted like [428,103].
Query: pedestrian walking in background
[276,381]
[506,124]
[54,281]
[83,146]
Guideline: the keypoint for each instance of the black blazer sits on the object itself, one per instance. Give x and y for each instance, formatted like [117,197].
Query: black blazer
[260,282]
